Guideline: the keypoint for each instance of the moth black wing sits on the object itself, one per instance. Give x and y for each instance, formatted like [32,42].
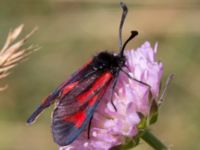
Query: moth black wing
[74,111]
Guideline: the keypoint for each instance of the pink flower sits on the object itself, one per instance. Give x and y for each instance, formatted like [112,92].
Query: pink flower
[111,128]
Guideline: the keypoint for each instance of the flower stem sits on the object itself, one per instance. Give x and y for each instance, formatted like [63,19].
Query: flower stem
[153,141]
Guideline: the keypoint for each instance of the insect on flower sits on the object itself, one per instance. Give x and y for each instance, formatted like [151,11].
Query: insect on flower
[77,98]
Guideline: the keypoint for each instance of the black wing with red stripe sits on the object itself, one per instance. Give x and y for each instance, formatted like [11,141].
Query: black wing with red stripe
[77,100]
[78,97]
[75,110]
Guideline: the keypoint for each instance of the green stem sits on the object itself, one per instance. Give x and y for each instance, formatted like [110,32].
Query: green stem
[153,141]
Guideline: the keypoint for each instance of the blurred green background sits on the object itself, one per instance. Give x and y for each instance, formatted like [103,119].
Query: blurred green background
[70,32]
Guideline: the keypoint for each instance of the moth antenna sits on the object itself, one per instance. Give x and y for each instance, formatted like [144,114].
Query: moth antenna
[133,34]
[123,17]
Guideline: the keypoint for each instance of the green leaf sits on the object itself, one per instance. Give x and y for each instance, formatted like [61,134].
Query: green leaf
[143,121]
[153,112]
[129,144]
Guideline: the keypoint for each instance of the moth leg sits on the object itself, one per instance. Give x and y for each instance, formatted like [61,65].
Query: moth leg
[112,94]
[89,127]
[141,82]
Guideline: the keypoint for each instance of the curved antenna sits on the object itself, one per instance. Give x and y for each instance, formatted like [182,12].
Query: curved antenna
[133,34]
[124,13]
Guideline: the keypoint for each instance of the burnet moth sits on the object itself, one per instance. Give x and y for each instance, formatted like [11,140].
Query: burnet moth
[77,98]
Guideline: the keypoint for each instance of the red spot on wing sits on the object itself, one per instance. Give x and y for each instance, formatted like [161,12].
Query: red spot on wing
[95,98]
[101,81]
[77,119]
[69,87]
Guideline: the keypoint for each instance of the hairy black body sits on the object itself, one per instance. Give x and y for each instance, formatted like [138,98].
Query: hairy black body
[106,61]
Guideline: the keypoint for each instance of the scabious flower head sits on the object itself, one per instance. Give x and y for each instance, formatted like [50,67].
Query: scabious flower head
[132,99]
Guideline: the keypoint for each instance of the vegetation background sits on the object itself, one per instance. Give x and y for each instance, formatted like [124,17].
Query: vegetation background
[70,32]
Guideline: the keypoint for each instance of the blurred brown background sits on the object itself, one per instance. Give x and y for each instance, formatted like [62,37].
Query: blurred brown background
[70,32]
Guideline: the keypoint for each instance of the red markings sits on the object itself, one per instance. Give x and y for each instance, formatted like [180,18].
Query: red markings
[101,81]
[93,100]
[77,119]
[69,88]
